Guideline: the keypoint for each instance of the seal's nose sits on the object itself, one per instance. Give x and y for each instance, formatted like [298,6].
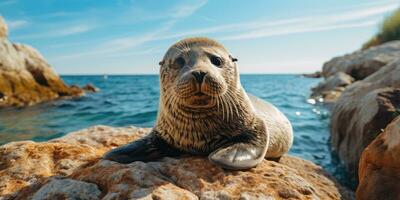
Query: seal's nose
[199,75]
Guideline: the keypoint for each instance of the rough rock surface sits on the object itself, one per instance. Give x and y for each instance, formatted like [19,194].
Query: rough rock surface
[25,77]
[3,29]
[363,63]
[363,110]
[379,172]
[70,168]
[331,89]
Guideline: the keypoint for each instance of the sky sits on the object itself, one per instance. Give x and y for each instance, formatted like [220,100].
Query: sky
[131,36]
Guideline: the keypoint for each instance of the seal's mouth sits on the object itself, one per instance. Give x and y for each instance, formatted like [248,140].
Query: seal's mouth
[199,100]
[199,94]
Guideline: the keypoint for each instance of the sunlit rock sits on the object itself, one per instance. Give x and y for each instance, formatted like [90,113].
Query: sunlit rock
[71,167]
[330,89]
[363,63]
[379,170]
[25,76]
[363,110]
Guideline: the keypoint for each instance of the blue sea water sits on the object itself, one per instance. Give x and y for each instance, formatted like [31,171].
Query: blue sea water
[133,100]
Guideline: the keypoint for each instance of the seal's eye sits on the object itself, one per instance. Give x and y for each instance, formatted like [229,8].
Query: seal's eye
[179,62]
[217,61]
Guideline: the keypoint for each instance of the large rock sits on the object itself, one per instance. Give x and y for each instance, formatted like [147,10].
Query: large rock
[364,109]
[3,29]
[70,168]
[26,78]
[379,172]
[331,89]
[316,74]
[363,63]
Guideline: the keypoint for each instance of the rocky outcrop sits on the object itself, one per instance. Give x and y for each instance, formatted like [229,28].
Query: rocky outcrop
[3,29]
[379,172]
[90,88]
[363,110]
[331,89]
[363,89]
[363,63]
[71,168]
[316,74]
[25,76]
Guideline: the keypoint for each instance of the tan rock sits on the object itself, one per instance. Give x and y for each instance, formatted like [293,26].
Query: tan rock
[73,163]
[379,172]
[3,28]
[363,110]
[26,78]
[363,63]
[90,88]
[67,189]
[22,163]
[332,87]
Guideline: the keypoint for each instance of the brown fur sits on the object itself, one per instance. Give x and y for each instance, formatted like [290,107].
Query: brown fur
[202,130]
[204,110]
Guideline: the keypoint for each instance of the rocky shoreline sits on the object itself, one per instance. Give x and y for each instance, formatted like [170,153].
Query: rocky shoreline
[363,91]
[25,76]
[71,167]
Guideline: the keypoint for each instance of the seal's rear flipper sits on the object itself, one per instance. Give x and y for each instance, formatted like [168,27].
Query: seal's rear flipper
[148,148]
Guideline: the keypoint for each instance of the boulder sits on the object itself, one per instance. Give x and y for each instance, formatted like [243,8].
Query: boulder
[379,170]
[363,63]
[3,29]
[331,89]
[90,88]
[316,74]
[363,110]
[26,78]
[71,168]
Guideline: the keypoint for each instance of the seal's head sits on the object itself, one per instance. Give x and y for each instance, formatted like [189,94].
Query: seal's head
[196,72]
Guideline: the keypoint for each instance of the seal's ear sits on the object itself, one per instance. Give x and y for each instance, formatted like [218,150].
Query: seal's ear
[161,63]
[233,59]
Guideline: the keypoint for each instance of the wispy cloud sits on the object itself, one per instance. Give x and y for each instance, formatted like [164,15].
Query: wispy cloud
[237,27]
[297,29]
[119,46]
[183,11]
[364,15]
[72,30]
[65,31]
[357,17]
[7,2]
[15,24]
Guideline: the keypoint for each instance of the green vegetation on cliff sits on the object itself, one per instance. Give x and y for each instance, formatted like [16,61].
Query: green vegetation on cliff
[390,30]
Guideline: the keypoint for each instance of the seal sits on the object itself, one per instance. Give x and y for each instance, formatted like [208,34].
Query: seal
[204,110]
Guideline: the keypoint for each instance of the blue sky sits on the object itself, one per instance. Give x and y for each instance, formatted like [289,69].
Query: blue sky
[131,36]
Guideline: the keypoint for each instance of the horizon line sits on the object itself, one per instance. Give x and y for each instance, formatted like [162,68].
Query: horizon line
[150,74]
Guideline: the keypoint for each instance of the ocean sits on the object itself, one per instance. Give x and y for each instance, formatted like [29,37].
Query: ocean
[133,100]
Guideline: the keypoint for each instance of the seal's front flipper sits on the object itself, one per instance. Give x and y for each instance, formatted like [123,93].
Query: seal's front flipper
[245,150]
[238,156]
[148,148]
